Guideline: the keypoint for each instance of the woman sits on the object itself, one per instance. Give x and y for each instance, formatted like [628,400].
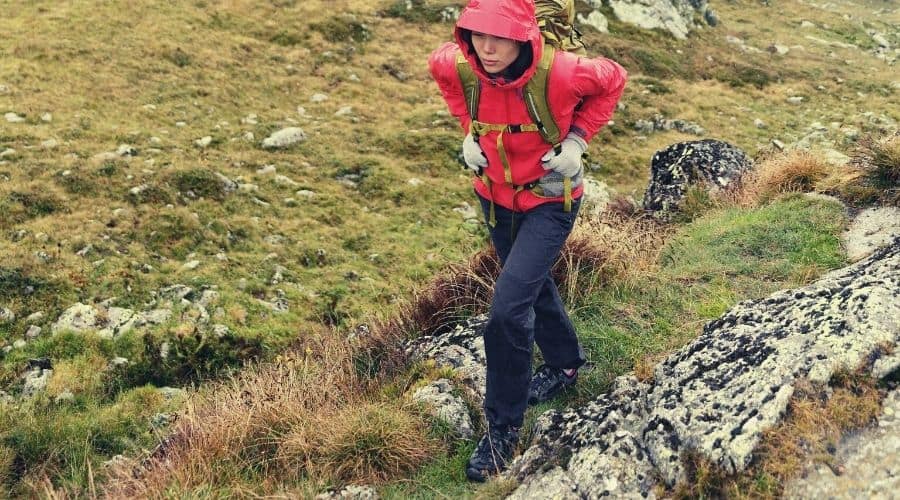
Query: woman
[501,42]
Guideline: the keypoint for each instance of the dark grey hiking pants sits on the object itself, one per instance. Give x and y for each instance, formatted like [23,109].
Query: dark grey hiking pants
[526,307]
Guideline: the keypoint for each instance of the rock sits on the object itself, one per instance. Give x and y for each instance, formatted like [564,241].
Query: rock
[344,111]
[283,180]
[351,492]
[305,194]
[778,144]
[318,98]
[835,157]
[49,144]
[7,315]
[595,20]
[415,182]
[266,170]
[13,118]
[870,230]
[807,24]
[720,393]
[438,397]
[674,16]
[248,136]
[660,123]
[190,265]
[468,211]
[869,462]
[36,379]
[796,99]
[284,138]
[35,317]
[126,150]
[250,119]
[759,123]
[595,198]
[778,49]
[228,185]
[33,332]
[716,164]
[461,349]
[203,141]
[77,318]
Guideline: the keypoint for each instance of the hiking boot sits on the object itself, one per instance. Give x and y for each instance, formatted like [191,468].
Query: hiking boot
[547,382]
[493,453]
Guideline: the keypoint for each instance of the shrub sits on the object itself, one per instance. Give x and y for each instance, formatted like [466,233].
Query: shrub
[793,171]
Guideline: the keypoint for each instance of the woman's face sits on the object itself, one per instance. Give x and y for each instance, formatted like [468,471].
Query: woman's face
[495,53]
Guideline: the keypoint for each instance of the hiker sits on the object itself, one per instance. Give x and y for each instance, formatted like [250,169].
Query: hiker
[529,187]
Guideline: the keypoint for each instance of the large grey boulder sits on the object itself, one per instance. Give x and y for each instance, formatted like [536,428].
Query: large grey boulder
[718,394]
[107,322]
[674,16]
[713,164]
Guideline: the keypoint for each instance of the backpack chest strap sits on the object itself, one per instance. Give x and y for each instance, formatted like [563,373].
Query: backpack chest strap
[480,128]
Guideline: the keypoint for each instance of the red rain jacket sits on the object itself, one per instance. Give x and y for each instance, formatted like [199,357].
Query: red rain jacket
[593,83]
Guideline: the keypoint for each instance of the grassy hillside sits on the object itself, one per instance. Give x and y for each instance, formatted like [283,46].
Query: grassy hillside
[347,225]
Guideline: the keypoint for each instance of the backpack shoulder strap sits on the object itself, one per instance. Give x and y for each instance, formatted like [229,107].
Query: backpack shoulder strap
[536,99]
[470,84]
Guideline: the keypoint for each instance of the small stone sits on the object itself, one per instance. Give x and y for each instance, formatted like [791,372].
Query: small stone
[415,181]
[248,136]
[64,397]
[301,111]
[249,119]
[284,138]
[305,193]
[180,124]
[759,123]
[807,24]
[35,317]
[33,332]
[795,99]
[7,153]
[266,170]
[318,98]
[203,141]
[344,111]
[778,144]
[118,361]
[6,315]
[13,118]
[19,344]
[46,118]
[49,144]
[191,265]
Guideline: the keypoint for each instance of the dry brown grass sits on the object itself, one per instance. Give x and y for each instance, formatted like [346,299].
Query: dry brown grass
[793,171]
[605,249]
[878,162]
[814,424]
[254,425]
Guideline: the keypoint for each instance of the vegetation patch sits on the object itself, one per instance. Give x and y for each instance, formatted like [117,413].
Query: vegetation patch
[422,11]
[199,183]
[343,28]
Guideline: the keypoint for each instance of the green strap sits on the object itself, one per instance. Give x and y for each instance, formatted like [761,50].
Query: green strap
[567,194]
[536,99]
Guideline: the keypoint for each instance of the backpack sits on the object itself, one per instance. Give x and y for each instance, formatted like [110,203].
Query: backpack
[556,22]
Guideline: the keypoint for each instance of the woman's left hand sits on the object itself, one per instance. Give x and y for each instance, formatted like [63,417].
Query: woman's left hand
[568,161]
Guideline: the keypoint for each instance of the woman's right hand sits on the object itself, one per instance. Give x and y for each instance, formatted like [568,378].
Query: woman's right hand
[473,155]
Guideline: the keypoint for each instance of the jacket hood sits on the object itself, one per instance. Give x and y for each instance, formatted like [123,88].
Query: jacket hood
[514,19]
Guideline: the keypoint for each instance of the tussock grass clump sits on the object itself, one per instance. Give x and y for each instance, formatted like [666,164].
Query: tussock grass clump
[878,161]
[811,430]
[793,171]
[370,443]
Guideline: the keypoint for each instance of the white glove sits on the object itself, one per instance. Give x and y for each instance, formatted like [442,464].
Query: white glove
[473,154]
[568,161]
